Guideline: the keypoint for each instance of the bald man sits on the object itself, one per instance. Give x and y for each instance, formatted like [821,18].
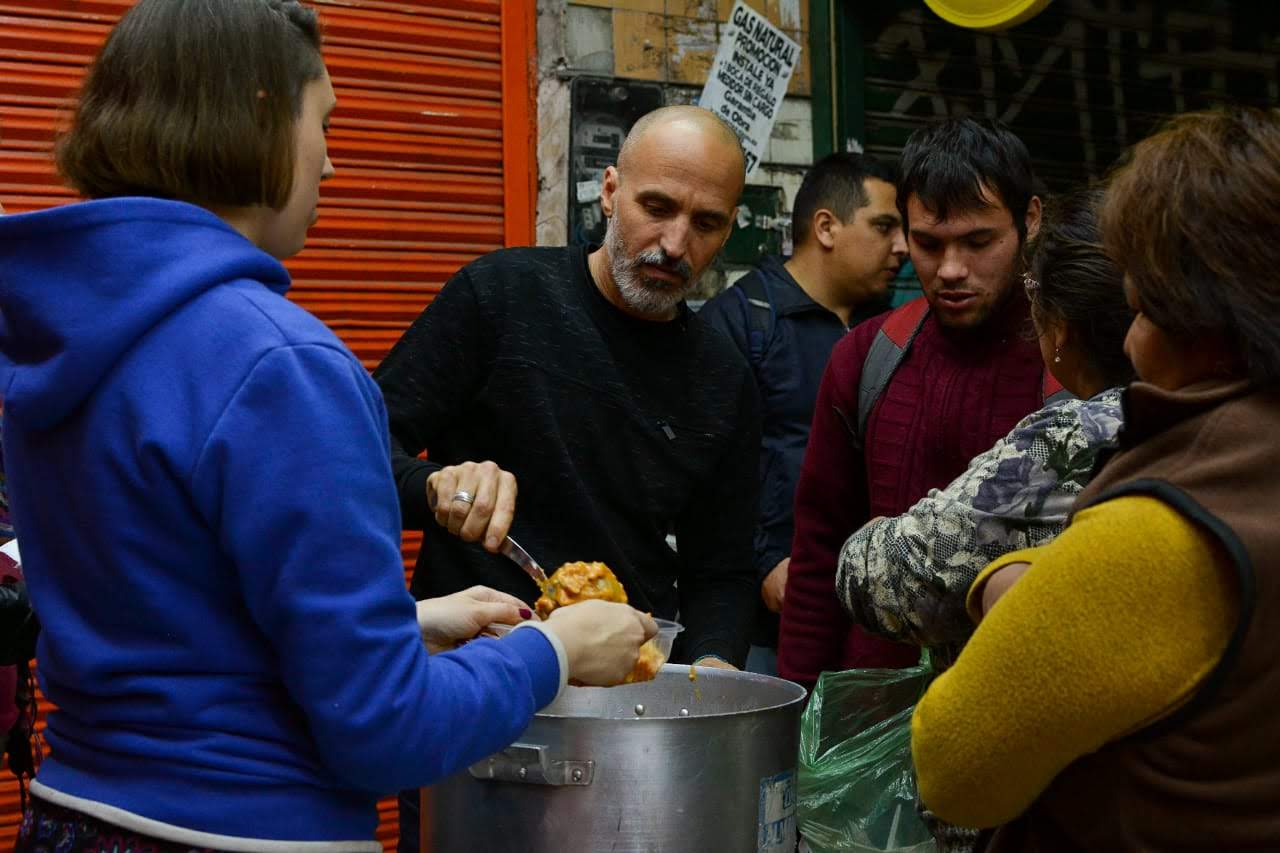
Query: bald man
[571,397]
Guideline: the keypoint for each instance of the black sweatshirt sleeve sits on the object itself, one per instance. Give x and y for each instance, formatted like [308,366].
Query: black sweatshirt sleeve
[433,373]
[718,584]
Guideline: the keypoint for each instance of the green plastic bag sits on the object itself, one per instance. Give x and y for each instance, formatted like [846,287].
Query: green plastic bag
[856,787]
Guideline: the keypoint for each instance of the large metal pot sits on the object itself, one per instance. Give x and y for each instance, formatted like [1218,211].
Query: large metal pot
[669,766]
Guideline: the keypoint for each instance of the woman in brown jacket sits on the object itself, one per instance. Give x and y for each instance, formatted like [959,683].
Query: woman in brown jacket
[1120,695]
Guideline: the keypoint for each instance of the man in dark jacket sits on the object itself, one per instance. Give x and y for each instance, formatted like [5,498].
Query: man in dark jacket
[785,317]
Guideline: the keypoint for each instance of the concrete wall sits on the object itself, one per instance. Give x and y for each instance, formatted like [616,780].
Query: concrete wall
[553,123]
[670,42]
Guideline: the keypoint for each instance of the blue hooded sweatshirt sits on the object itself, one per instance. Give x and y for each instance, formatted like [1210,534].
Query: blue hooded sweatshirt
[199,473]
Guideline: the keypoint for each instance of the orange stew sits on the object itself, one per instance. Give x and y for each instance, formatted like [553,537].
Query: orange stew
[575,582]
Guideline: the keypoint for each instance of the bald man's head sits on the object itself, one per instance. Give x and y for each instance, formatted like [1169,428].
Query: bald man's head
[682,120]
[684,171]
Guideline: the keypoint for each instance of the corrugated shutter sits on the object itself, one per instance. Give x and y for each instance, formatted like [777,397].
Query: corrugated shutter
[1079,83]
[432,142]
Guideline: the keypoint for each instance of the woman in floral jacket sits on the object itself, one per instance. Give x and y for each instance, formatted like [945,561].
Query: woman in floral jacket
[906,577]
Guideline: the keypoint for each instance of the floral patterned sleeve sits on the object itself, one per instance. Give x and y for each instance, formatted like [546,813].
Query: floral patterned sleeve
[906,577]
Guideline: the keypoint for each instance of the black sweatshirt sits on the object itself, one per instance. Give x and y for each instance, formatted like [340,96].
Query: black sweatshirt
[618,431]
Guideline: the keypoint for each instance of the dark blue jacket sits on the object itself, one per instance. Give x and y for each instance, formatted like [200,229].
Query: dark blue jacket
[787,338]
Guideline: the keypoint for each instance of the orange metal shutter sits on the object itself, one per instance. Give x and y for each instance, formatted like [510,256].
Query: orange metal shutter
[432,142]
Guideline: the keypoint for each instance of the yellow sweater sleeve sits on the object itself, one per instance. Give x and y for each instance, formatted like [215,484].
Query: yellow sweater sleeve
[1114,626]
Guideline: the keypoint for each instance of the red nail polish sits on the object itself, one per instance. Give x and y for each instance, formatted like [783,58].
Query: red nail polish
[526,613]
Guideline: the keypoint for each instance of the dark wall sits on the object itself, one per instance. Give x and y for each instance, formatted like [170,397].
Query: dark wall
[1080,82]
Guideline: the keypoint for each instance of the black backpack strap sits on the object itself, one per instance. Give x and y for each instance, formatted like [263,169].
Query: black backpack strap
[761,315]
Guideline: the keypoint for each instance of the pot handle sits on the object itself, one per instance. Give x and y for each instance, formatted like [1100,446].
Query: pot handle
[532,764]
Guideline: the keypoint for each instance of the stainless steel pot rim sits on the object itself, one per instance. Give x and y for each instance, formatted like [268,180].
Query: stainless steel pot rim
[656,696]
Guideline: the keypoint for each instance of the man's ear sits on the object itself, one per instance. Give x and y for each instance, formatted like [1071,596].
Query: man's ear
[609,189]
[823,227]
[1033,217]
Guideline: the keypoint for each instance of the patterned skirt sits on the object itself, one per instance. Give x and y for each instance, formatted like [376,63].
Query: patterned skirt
[47,828]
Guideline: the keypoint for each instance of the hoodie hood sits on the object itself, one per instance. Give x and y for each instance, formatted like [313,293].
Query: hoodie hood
[82,283]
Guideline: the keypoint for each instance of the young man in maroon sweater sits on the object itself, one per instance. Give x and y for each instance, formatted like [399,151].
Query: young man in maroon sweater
[968,375]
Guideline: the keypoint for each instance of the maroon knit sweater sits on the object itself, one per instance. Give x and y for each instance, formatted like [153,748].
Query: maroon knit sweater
[952,397]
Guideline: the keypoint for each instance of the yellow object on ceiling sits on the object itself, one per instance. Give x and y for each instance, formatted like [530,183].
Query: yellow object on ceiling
[986,14]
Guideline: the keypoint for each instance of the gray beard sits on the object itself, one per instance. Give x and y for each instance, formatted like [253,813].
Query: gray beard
[646,297]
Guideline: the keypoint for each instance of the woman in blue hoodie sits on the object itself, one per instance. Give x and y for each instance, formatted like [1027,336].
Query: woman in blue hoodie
[199,470]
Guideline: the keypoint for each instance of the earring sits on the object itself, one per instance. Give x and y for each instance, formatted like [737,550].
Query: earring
[1057,356]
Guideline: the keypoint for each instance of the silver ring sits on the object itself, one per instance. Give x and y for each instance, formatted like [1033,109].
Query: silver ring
[464,496]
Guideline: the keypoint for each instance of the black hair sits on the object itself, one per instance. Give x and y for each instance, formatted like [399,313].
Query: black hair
[948,164]
[835,184]
[1079,285]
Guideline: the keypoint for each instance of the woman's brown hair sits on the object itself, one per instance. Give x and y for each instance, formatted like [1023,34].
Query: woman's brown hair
[195,100]
[1193,219]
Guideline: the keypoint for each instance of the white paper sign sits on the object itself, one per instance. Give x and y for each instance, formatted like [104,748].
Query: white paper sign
[749,78]
[589,190]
